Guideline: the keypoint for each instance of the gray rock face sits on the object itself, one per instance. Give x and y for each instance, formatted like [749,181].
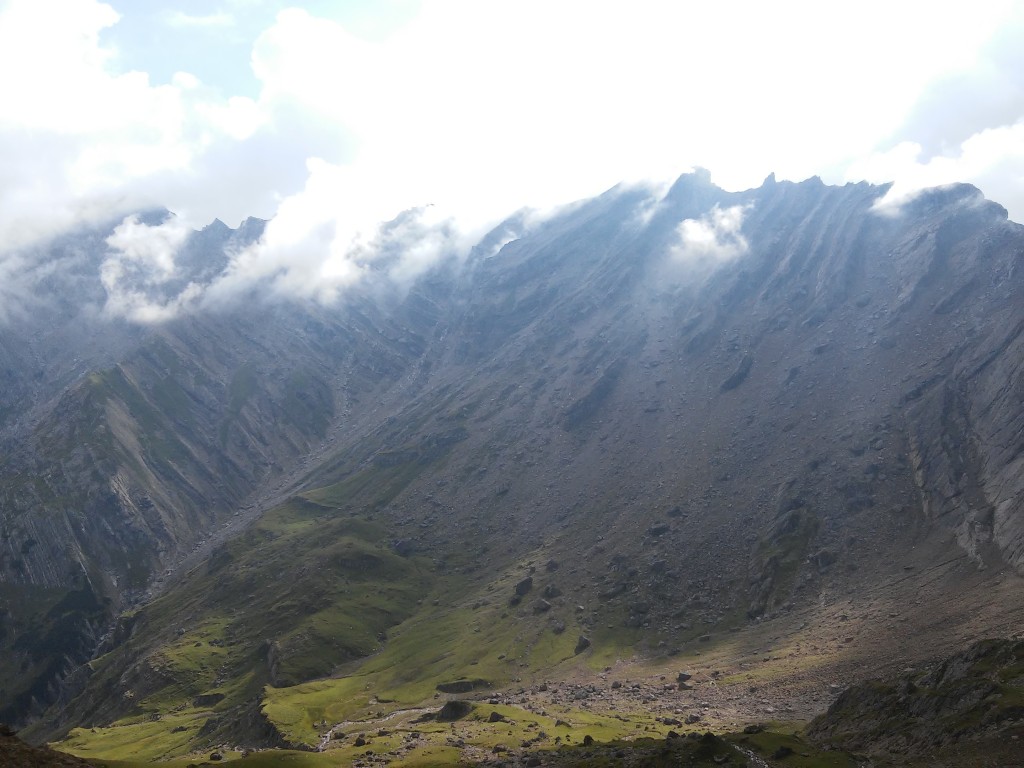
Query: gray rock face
[128,468]
[965,420]
[966,698]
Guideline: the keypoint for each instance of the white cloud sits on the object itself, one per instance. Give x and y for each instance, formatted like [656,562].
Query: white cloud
[80,143]
[966,125]
[473,110]
[482,109]
[15,285]
[712,239]
[339,228]
[992,159]
[150,248]
[182,19]
[138,267]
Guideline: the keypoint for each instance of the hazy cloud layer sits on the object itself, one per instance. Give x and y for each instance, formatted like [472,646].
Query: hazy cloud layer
[469,111]
[992,159]
[966,125]
[140,265]
[714,238]
[177,18]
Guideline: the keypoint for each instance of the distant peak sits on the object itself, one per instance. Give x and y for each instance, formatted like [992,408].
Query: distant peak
[154,217]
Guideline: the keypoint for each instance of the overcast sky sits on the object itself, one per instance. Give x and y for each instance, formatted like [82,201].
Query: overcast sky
[331,117]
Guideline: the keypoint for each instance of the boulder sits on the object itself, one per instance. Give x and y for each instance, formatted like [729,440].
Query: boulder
[453,710]
[462,686]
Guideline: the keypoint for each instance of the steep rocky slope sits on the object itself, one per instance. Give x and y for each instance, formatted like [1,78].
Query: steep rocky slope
[114,480]
[648,420]
[975,696]
[16,754]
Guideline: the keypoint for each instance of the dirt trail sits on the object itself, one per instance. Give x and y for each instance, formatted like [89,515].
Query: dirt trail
[370,724]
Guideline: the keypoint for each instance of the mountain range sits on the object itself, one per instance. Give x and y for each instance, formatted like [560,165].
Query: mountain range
[658,455]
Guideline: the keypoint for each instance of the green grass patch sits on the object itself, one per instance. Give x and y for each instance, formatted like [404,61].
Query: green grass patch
[304,592]
[270,758]
[199,651]
[468,637]
[791,750]
[147,741]
[370,489]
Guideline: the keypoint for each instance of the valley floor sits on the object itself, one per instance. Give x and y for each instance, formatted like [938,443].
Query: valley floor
[774,675]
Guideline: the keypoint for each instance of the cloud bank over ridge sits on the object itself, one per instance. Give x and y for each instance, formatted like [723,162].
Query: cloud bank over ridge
[466,112]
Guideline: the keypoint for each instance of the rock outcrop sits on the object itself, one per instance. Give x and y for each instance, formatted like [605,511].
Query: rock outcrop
[977,694]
